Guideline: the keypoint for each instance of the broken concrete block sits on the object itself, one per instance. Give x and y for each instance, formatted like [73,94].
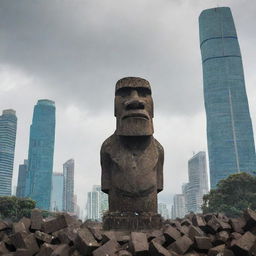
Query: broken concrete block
[46,249]
[54,224]
[181,245]
[160,240]
[244,244]
[124,253]
[17,239]
[96,233]
[26,222]
[156,249]
[36,219]
[43,236]
[203,243]
[139,243]
[61,250]
[250,217]
[85,242]
[171,234]
[109,248]
[194,231]
[3,248]
[238,224]
[107,236]
[221,238]
[31,243]
[217,250]
[18,227]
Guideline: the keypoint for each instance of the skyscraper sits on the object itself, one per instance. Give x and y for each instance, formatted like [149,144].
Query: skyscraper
[163,210]
[22,176]
[57,192]
[198,182]
[68,189]
[97,203]
[229,128]
[8,127]
[40,155]
[178,209]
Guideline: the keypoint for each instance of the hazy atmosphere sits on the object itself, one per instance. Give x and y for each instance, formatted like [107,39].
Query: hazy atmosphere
[74,51]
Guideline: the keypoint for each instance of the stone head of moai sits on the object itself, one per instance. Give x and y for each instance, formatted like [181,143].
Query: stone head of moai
[133,107]
[131,158]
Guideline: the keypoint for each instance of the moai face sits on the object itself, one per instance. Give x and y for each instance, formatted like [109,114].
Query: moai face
[133,107]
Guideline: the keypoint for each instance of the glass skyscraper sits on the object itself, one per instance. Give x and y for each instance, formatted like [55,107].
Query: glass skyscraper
[57,192]
[40,155]
[229,128]
[21,185]
[68,189]
[8,127]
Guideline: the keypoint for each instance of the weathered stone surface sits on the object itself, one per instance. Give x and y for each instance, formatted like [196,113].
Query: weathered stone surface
[124,253]
[194,231]
[46,249]
[250,217]
[54,224]
[26,222]
[109,248]
[171,234]
[43,236]
[108,235]
[203,242]
[3,225]
[139,243]
[221,237]
[237,224]
[36,219]
[85,242]
[244,244]
[156,249]
[18,227]
[181,245]
[217,250]
[3,248]
[61,250]
[131,159]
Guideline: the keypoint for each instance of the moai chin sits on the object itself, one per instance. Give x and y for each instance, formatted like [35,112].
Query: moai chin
[132,160]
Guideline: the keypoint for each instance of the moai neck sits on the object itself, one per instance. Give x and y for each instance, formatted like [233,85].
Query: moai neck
[136,142]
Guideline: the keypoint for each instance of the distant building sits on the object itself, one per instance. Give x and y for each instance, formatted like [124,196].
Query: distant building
[97,203]
[40,155]
[57,192]
[197,186]
[68,189]
[8,127]
[22,176]
[163,210]
[77,210]
[178,209]
[230,138]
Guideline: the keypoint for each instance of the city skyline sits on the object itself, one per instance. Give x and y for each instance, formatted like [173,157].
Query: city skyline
[76,63]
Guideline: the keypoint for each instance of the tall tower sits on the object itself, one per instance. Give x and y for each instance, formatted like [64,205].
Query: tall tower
[40,155]
[229,128]
[57,192]
[22,177]
[8,127]
[68,189]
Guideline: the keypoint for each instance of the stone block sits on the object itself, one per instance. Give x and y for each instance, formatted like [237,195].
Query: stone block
[244,244]
[46,249]
[85,242]
[124,253]
[36,219]
[31,243]
[194,231]
[156,249]
[17,239]
[160,240]
[26,222]
[139,244]
[199,221]
[61,250]
[221,238]
[109,248]
[238,224]
[250,217]
[97,233]
[3,248]
[18,227]
[54,224]
[23,252]
[107,236]
[181,245]
[217,250]
[171,234]
[3,225]
[203,243]
[43,236]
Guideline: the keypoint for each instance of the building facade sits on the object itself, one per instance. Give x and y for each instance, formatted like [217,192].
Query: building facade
[97,203]
[229,128]
[8,127]
[163,210]
[22,177]
[68,189]
[57,192]
[40,155]
[178,209]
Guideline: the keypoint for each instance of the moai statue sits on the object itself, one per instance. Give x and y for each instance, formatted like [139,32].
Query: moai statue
[132,160]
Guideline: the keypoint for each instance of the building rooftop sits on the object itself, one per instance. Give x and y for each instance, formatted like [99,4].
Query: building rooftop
[46,102]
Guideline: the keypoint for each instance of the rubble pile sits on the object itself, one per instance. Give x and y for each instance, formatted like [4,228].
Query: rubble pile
[194,235]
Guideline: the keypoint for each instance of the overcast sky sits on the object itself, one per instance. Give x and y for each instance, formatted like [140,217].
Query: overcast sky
[74,51]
